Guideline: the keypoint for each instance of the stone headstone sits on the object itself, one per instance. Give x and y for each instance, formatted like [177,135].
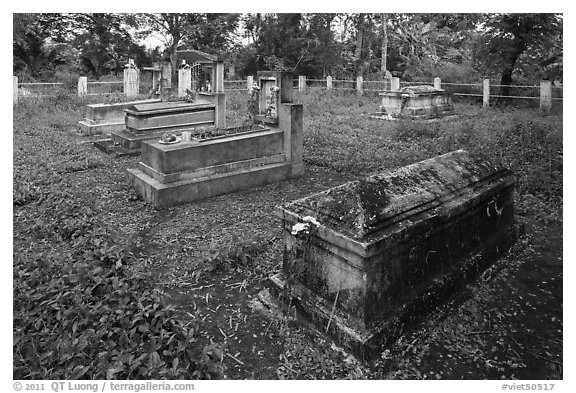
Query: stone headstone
[184,81]
[131,82]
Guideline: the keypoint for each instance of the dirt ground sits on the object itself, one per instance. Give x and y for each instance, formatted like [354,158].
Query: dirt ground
[214,257]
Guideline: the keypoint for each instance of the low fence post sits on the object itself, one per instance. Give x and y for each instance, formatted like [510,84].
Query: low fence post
[15,89]
[359,82]
[437,83]
[395,83]
[545,96]
[486,94]
[249,82]
[218,77]
[329,82]
[301,83]
[82,86]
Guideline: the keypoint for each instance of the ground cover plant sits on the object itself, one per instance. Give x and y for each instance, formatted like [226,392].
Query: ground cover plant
[106,286]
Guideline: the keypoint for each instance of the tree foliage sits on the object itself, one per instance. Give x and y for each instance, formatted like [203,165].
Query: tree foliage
[460,47]
[512,43]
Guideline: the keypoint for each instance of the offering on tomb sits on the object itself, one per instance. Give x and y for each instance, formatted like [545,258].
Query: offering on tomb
[168,137]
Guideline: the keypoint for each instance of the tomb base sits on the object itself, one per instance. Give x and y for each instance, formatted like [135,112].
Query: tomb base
[368,342]
[167,194]
[87,127]
[106,118]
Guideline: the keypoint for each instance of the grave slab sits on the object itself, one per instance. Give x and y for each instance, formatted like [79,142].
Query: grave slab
[417,102]
[106,118]
[368,259]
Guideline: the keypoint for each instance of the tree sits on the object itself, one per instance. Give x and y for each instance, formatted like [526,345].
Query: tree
[384,47]
[103,40]
[511,39]
[35,54]
[279,42]
[209,32]
[325,53]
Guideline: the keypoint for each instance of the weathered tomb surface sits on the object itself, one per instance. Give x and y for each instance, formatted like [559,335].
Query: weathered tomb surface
[168,116]
[417,102]
[371,257]
[107,118]
[221,161]
[146,121]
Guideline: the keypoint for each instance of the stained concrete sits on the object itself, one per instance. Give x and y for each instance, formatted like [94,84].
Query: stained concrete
[389,248]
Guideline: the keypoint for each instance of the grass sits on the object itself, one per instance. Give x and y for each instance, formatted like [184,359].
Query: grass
[214,256]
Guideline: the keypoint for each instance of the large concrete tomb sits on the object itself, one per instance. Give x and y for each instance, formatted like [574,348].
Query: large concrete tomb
[367,259]
[107,118]
[189,171]
[168,116]
[417,102]
[146,121]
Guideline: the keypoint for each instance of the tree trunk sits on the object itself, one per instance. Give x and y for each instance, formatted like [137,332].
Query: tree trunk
[358,66]
[506,81]
[384,55]
[174,60]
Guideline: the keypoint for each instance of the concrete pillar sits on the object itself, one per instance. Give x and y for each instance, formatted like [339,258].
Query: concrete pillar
[82,86]
[218,77]
[296,139]
[301,83]
[546,96]
[395,83]
[437,83]
[250,82]
[329,82]
[359,81]
[184,81]
[286,87]
[486,94]
[220,115]
[290,121]
[15,89]
[131,82]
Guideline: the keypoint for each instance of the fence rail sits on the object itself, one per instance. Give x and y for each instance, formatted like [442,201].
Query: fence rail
[543,92]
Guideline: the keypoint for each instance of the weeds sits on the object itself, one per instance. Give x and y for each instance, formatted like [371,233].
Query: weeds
[80,311]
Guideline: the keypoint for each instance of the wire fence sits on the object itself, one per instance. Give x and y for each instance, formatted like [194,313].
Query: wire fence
[531,93]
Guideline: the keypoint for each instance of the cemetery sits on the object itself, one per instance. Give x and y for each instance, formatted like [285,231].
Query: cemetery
[188,230]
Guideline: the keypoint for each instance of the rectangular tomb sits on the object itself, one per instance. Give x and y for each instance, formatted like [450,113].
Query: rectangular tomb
[171,174]
[417,101]
[371,257]
[168,116]
[106,118]
[150,121]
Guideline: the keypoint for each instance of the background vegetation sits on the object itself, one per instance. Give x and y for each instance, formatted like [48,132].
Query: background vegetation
[515,48]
